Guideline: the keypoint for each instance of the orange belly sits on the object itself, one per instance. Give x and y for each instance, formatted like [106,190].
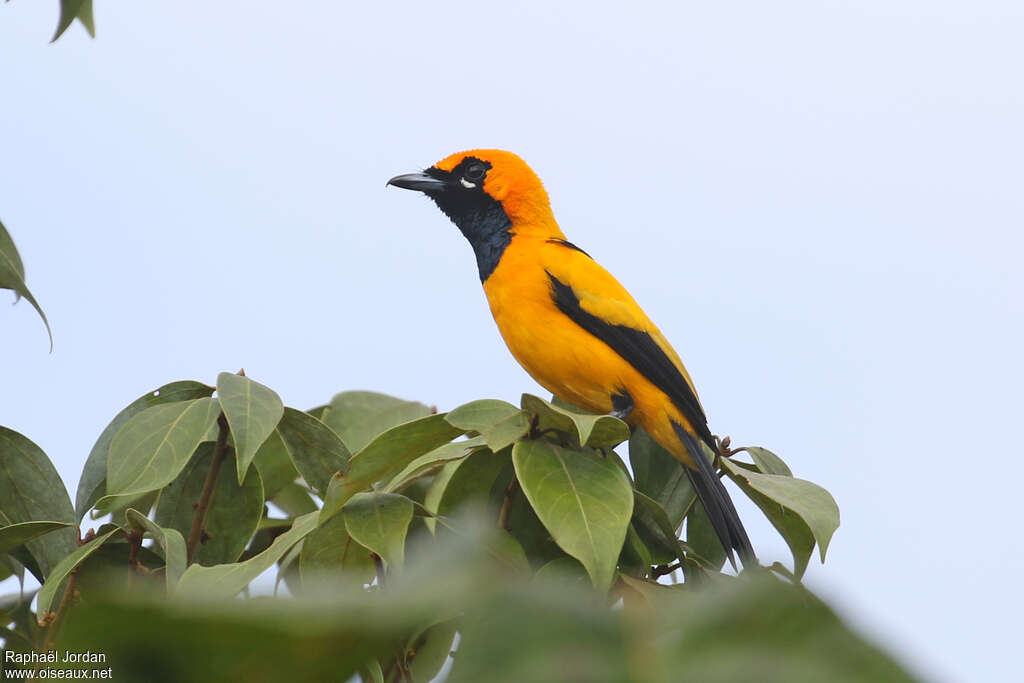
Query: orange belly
[564,358]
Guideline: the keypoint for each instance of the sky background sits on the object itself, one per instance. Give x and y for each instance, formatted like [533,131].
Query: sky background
[820,203]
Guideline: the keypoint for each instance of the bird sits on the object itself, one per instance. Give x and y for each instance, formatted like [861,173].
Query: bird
[568,321]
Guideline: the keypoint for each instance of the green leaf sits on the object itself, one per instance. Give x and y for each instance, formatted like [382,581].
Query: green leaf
[499,423]
[462,481]
[294,500]
[655,528]
[768,462]
[380,521]
[584,500]
[635,557]
[14,535]
[523,524]
[432,649]
[563,569]
[658,475]
[153,446]
[170,540]
[431,462]
[359,416]
[508,431]
[585,429]
[373,672]
[234,511]
[64,568]
[93,482]
[701,536]
[75,9]
[32,491]
[392,451]
[288,569]
[808,501]
[316,451]
[226,580]
[12,276]
[275,465]
[477,416]
[252,410]
[330,550]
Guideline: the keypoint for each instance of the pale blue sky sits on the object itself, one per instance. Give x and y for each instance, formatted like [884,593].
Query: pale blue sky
[820,204]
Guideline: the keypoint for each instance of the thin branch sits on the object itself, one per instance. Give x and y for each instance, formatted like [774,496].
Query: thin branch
[220,451]
[506,505]
[662,570]
[58,616]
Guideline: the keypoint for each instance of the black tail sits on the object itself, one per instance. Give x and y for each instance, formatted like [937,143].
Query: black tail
[716,502]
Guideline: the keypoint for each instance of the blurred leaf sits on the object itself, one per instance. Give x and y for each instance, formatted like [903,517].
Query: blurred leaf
[359,416]
[431,651]
[660,476]
[316,451]
[294,500]
[226,580]
[71,10]
[153,446]
[256,641]
[500,548]
[811,503]
[169,540]
[549,631]
[701,536]
[757,628]
[585,501]
[275,465]
[330,550]
[92,484]
[372,672]
[432,461]
[391,451]
[12,276]
[585,429]
[64,569]
[768,462]
[32,491]
[380,521]
[252,410]
[564,569]
[234,511]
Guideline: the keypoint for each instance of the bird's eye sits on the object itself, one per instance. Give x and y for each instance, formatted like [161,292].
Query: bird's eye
[475,173]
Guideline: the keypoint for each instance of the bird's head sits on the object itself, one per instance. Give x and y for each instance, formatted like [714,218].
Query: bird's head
[482,187]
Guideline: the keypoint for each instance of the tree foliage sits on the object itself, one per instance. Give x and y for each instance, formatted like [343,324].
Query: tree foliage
[237,538]
[240,538]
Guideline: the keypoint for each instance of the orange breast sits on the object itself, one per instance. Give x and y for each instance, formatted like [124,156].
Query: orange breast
[560,355]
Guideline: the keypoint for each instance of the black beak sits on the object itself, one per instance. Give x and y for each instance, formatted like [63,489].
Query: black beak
[418,181]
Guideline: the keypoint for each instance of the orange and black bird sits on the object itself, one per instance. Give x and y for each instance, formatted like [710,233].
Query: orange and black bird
[569,323]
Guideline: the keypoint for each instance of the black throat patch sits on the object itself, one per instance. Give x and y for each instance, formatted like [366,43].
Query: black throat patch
[479,217]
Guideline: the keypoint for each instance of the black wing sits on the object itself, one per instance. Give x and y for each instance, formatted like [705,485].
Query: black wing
[639,350]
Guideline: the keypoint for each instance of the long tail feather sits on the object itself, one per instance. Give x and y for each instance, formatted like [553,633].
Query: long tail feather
[716,501]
